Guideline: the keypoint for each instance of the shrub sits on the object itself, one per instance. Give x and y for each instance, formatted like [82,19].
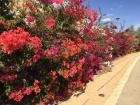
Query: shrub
[54,52]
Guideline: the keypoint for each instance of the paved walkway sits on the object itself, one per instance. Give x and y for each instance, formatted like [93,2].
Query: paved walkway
[131,92]
[99,91]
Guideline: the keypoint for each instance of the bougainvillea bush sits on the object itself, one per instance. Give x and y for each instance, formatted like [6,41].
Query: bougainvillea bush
[52,50]
[124,43]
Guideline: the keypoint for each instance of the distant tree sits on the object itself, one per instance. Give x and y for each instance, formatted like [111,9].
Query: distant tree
[132,31]
[138,33]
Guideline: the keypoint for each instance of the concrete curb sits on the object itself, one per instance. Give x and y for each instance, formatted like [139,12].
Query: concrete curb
[112,100]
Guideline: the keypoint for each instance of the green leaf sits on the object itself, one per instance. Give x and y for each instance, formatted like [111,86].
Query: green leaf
[7,88]
[1,64]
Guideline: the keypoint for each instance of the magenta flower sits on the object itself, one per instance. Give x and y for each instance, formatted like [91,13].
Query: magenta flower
[51,1]
[54,50]
[44,1]
[29,20]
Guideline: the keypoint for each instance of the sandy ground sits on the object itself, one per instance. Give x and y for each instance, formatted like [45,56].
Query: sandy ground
[99,90]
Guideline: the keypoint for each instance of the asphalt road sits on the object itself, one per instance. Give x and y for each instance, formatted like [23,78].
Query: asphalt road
[131,92]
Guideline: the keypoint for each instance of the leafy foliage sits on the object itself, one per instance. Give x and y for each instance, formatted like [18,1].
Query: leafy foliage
[5,9]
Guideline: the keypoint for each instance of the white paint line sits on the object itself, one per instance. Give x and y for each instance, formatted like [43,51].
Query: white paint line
[112,100]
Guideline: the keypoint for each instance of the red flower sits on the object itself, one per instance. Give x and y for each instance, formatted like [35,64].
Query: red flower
[13,40]
[53,75]
[95,15]
[28,62]
[76,2]
[57,1]
[17,96]
[64,73]
[65,54]
[8,77]
[30,5]
[36,82]
[44,1]
[6,68]
[35,42]
[88,12]
[114,27]
[36,58]
[36,89]
[28,91]
[50,22]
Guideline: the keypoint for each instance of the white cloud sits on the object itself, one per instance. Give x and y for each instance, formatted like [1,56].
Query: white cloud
[106,20]
[109,15]
[136,26]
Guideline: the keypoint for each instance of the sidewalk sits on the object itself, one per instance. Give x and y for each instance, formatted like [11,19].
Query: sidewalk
[131,92]
[99,91]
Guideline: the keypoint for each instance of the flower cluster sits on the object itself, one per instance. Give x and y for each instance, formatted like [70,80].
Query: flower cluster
[122,44]
[19,95]
[51,53]
[13,40]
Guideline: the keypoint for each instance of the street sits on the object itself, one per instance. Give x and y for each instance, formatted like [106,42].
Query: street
[131,92]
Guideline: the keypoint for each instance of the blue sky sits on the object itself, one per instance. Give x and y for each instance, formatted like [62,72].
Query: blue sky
[127,10]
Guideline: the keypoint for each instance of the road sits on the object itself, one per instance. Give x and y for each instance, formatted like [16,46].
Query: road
[131,92]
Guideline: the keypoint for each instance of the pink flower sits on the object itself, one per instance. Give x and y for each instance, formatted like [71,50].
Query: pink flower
[51,52]
[54,50]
